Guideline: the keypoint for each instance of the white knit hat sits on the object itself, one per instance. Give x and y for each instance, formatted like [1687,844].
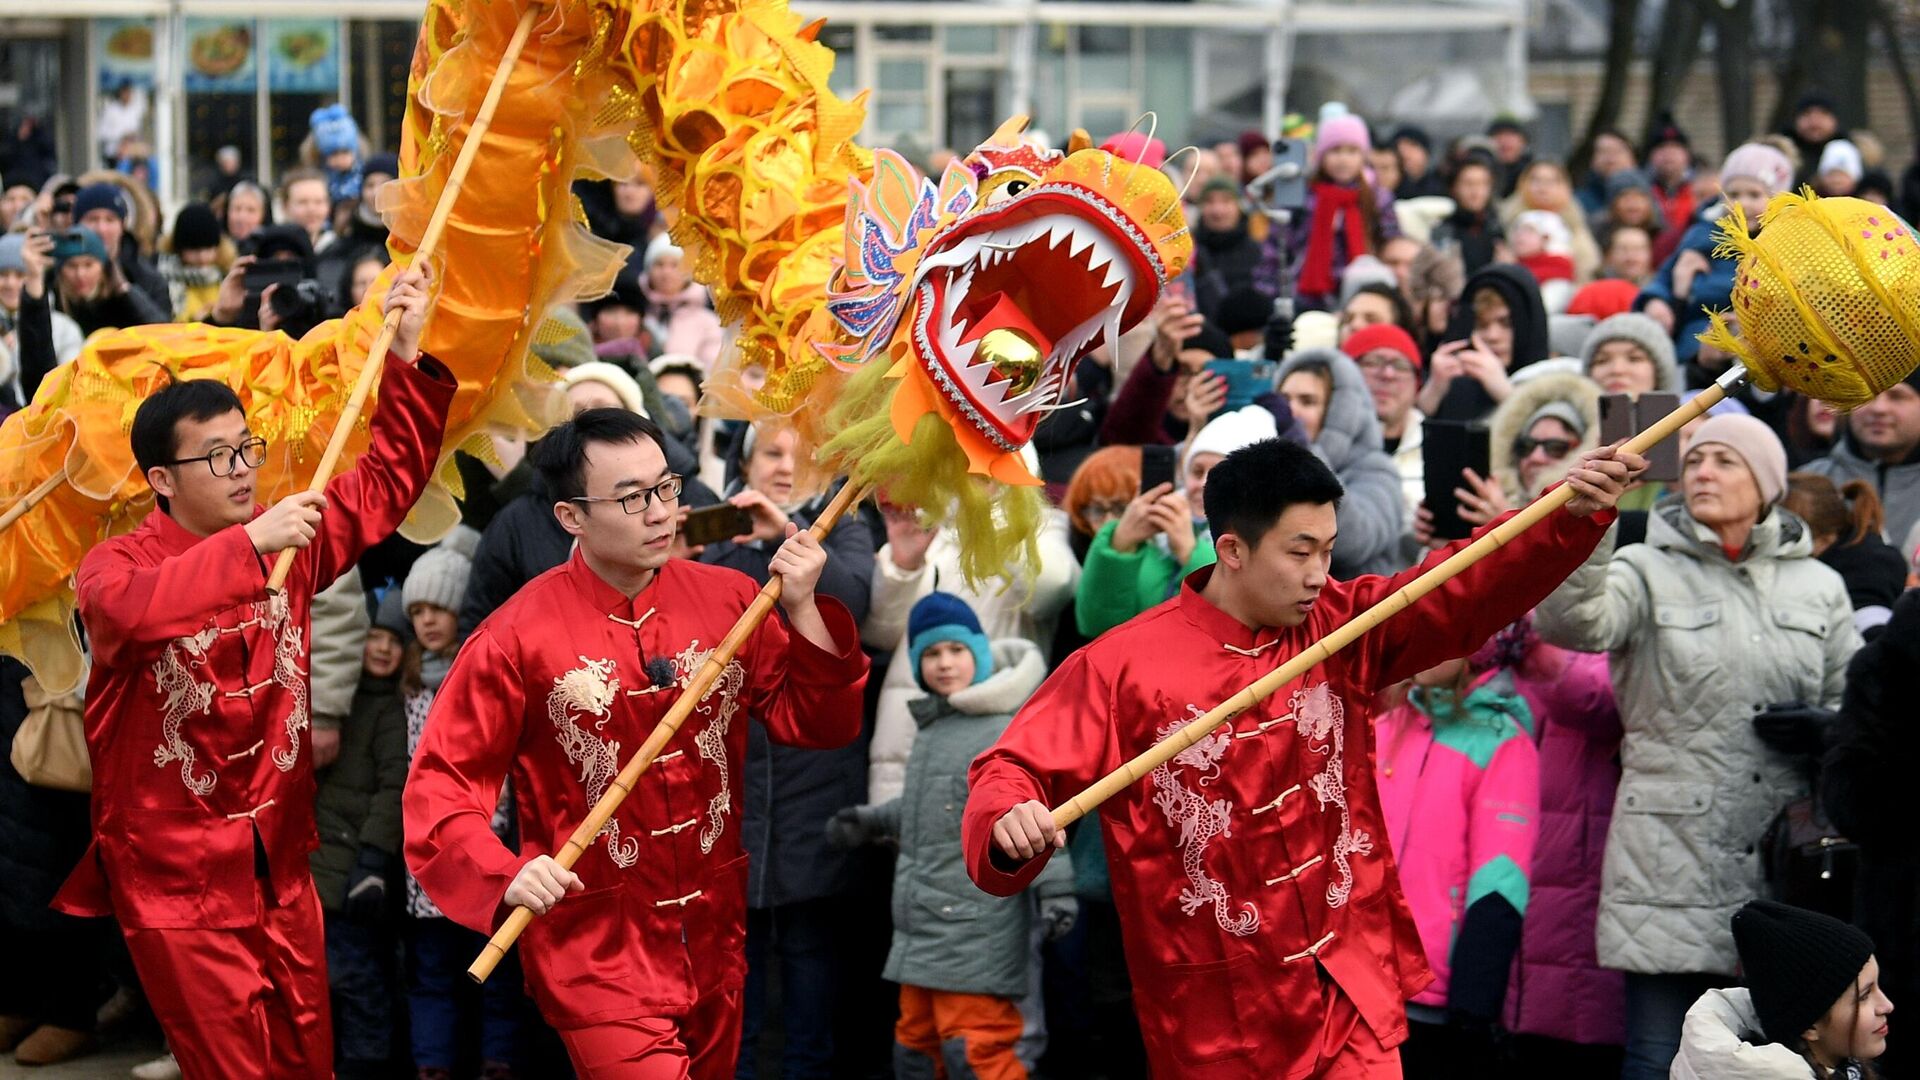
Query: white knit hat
[1841,155]
[613,377]
[439,577]
[1555,237]
[658,246]
[1232,430]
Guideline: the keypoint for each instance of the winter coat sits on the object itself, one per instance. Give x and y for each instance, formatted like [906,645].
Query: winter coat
[1721,1040]
[1875,575]
[790,792]
[947,934]
[1864,789]
[1115,586]
[130,307]
[357,804]
[1300,234]
[1411,462]
[1712,289]
[1223,262]
[1006,608]
[1466,399]
[1897,485]
[683,323]
[1372,515]
[43,831]
[340,623]
[1461,800]
[1477,237]
[1699,644]
[1559,990]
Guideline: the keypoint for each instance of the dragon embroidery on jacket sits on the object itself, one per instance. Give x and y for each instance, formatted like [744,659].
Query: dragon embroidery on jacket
[590,690]
[1321,719]
[1199,821]
[186,695]
[712,740]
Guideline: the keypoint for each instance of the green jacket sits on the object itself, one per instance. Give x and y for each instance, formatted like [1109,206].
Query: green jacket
[1114,587]
[357,803]
[947,934]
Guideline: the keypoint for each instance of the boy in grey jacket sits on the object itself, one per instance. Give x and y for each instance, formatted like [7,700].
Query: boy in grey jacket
[959,955]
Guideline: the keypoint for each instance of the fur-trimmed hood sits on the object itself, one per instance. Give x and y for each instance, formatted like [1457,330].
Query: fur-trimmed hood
[1351,428]
[1527,397]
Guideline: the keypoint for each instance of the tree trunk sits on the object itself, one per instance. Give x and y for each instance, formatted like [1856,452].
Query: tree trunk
[1623,16]
[1829,55]
[1889,24]
[1733,27]
[1673,56]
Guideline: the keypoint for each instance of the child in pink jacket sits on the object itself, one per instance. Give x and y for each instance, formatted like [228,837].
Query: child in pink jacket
[1459,780]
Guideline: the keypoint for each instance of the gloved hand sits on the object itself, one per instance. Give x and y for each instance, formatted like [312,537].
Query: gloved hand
[853,826]
[367,886]
[1794,728]
[1058,914]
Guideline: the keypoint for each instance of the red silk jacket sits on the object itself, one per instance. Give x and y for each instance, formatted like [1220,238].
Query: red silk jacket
[557,690]
[1259,854]
[197,707]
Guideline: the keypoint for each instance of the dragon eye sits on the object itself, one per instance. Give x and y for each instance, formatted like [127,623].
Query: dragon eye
[1015,187]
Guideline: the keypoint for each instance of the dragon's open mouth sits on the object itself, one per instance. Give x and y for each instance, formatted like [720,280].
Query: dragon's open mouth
[1011,299]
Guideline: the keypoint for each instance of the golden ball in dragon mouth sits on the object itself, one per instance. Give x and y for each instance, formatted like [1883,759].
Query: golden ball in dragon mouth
[1014,355]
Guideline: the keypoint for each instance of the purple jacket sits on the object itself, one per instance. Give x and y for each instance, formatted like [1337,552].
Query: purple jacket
[1558,988]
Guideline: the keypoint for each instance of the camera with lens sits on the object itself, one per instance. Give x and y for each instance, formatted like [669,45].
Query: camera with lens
[283,261]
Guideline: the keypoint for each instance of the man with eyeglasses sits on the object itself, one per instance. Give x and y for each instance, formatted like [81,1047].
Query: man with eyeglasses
[197,711]
[637,956]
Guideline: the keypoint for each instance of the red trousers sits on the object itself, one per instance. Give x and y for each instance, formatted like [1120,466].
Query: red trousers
[943,1034]
[245,1004]
[1348,1048]
[701,1045]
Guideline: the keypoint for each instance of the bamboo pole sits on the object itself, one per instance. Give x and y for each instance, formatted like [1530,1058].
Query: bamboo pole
[663,732]
[1264,687]
[32,498]
[429,243]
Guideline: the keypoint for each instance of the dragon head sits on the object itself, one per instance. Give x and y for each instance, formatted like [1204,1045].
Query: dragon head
[986,289]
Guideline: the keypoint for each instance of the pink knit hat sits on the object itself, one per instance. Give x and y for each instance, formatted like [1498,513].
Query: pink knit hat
[1344,130]
[1756,444]
[1761,162]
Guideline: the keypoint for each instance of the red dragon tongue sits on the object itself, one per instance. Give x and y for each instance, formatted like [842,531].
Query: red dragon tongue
[1006,315]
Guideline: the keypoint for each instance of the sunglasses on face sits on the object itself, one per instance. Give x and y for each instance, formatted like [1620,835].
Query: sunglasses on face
[1555,448]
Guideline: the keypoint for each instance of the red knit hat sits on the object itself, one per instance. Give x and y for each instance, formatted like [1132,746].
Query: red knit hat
[1383,336]
[1603,299]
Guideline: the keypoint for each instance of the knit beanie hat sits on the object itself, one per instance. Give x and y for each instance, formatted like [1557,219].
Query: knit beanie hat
[1797,963]
[942,616]
[334,131]
[1232,430]
[1624,181]
[1135,146]
[1642,331]
[1251,140]
[1760,448]
[78,240]
[613,378]
[98,197]
[1363,271]
[13,252]
[1245,308]
[1343,130]
[1841,155]
[1558,409]
[1383,336]
[195,228]
[1220,183]
[1758,161]
[659,246]
[1604,299]
[384,164]
[392,616]
[562,340]
[439,577]
[1554,234]
[1211,338]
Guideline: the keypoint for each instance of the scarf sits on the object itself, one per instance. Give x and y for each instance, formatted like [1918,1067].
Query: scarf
[1330,202]
[433,670]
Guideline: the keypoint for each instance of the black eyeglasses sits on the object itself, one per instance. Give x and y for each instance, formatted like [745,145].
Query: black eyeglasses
[1555,448]
[220,459]
[635,502]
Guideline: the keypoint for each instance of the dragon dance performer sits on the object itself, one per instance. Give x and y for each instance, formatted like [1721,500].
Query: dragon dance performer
[1263,922]
[197,708]
[637,958]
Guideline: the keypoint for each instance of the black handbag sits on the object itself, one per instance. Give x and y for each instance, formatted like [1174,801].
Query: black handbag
[1807,862]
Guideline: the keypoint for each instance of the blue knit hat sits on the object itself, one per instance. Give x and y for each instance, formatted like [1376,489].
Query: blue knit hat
[334,131]
[941,616]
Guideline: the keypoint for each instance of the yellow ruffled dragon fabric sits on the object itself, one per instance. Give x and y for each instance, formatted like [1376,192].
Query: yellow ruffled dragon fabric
[913,330]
